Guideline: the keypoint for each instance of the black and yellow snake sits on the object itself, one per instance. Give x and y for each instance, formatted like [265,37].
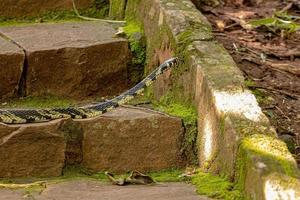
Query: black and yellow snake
[22,116]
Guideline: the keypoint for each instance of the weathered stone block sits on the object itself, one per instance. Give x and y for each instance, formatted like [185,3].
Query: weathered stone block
[19,8]
[73,59]
[11,66]
[32,150]
[132,139]
[265,166]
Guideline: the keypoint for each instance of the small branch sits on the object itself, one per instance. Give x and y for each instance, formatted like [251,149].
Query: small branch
[293,96]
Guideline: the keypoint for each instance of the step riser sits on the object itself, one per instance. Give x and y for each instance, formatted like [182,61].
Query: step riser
[75,60]
[20,8]
[122,140]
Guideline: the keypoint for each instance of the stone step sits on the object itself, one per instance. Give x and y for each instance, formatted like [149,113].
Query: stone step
[95,190]
[127,138]
[20,8]
[75,59]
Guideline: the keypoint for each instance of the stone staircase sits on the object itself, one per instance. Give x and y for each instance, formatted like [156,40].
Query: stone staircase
[78,60]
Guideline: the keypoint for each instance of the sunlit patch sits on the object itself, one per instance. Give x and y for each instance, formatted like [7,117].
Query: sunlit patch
[274,191]
[207,138]
[243,103]
[265,145]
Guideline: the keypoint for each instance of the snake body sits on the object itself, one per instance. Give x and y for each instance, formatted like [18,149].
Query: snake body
[23,116]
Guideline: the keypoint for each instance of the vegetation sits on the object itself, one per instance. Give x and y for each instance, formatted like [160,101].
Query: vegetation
[135,34]
[188,114]
[38,102]
[280,21]
[216,187]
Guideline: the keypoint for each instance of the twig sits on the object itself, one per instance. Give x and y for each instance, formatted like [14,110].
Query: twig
[282,113]
[285,67]
[293,96]
[287,7]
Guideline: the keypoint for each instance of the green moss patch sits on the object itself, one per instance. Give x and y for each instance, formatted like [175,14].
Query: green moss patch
[188,113]
[215,187]
[117,9]
[172,175]
[273,152]
[38,102]
[137,42]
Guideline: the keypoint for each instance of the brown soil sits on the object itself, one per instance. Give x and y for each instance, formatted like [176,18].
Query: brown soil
[270,59]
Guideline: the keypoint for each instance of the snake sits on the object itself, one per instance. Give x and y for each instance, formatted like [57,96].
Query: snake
[24,116]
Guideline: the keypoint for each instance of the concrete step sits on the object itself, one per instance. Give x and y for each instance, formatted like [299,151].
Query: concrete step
[75,59]
[127,138]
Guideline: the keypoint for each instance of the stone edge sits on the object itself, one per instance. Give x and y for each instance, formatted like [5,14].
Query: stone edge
[227,125]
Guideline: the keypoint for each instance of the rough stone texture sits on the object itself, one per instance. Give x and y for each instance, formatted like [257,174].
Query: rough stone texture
[19,8]
[32,150]
[268,172]
[132,139]
[95,190]
[73,59]
[127,138]
[11,66]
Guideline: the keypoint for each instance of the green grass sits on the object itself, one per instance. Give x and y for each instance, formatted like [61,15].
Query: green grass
[215,187]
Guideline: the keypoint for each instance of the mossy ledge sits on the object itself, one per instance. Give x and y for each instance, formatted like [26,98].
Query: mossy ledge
[177,28]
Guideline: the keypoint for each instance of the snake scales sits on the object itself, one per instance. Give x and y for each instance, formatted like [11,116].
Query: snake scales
[22,116]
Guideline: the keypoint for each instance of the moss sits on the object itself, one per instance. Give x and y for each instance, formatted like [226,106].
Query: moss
[137,42]
[38,102]
[131,10]
[216,187]
[273,151]
[117,9]
[188,113]
[98,10]
[268,150]
[172,175]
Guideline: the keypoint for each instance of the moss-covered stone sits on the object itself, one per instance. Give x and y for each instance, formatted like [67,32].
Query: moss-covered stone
[117,9]
[273,152]
[188,113]
[137,42]
[216,187]
[260,155]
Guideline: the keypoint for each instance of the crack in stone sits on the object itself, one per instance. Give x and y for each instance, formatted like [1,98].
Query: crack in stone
[21,89]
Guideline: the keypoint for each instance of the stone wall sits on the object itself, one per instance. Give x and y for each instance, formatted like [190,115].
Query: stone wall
[20,8]
[229,115]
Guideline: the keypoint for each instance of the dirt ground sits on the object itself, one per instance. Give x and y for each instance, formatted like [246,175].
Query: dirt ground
[269,56]
[94,190]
